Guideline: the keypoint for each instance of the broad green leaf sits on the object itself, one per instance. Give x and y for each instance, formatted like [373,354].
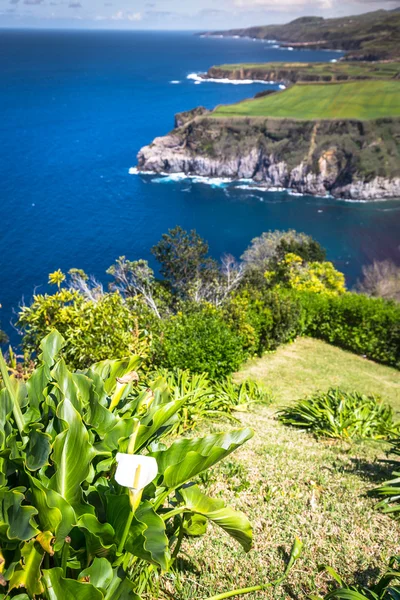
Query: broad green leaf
[37,450]
[99,574]
[36,386]
[16,521]
[61,588]
[6,407]
[194,525]
[109,370]
[12,386]
[121,588]
[118,510]
[234,523]
[72,456]
[74,386]
[155,419]
[186,458]
[100,537]
[51,346]
[147,537]
[55,514]
[28,575]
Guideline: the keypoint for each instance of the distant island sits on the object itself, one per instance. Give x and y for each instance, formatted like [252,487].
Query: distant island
[334,131]
[370,36]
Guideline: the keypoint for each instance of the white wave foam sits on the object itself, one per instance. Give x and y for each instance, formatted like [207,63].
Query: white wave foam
[282,87]
[133,171]
[175,81]
[197,79]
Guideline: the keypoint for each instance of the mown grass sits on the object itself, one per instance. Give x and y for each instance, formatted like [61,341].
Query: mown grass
[352,100]
[308,365]
[289,484]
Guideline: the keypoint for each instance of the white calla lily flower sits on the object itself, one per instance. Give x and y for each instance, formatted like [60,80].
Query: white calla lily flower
[135,471]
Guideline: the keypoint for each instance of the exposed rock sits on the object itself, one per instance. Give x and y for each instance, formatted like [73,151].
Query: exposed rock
[348,159]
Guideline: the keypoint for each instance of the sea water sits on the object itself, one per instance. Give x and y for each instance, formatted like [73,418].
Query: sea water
[75,108]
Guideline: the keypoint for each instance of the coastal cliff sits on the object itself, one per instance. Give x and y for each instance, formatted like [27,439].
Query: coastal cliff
[344,158]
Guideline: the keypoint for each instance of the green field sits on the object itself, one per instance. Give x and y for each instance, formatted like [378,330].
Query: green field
[353,100]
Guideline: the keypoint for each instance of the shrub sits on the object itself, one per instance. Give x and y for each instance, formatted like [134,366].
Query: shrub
[200,340]
[366,326]
[316,277]
[94,330]
[382,279]
[386,588]
[74,522]
[389,491]
[206,398]
[341,414]
[264,319]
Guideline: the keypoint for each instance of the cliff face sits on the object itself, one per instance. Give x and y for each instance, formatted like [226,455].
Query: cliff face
[349,159]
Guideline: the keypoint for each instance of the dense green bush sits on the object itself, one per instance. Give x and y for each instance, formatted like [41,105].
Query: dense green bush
[263,318]
[366,326]
[93,330]
[340,414]
[93,504]
[200,340]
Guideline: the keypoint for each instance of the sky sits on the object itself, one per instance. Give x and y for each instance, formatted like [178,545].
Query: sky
[173,14]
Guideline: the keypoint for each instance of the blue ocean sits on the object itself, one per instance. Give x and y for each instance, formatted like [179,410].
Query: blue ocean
[75,108]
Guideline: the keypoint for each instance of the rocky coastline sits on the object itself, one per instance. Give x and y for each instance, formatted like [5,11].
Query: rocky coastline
[356,160]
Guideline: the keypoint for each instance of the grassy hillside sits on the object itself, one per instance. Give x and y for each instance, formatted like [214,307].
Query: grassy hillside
[288,483]
[308,365]
[370,36]
[294,72]
[353,100]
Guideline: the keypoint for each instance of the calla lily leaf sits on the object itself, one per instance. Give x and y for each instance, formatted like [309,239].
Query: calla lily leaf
[233,522]
[99,574]
[61,588]
[51,346]
[186,458]
[38,450]
[55,513]
[195,525]
[72,456]
[147,537]
[28,575]
[16,521]
[99,537]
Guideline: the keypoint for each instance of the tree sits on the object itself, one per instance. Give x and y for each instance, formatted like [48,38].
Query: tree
[132,278]
[381,279]
[272,246]
[184,260]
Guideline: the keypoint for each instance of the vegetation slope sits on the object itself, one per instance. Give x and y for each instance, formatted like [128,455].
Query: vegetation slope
[370,36]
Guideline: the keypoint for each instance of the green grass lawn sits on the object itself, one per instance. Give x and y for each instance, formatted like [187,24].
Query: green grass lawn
[289,484]
[299,369]
[353,100]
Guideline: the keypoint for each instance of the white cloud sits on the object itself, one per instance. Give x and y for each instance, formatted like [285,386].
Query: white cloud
[121,15]
[283,4]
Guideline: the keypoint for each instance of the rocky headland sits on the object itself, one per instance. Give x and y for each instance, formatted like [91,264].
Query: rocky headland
[344,158]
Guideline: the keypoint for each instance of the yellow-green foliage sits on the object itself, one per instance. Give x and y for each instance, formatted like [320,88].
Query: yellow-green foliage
[317,277]
[93,330]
